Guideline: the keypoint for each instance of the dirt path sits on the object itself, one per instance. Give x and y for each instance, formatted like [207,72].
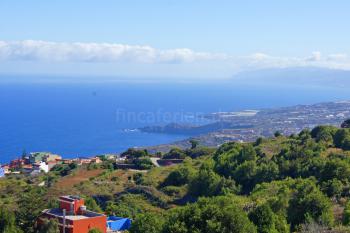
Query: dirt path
[155,161]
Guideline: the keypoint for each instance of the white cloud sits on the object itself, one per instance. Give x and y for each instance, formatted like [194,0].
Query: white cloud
[97,52]
[259,56]
[337,57]
[147,57]
[316,56]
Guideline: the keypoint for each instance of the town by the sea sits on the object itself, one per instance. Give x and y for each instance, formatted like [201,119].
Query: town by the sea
[75,120]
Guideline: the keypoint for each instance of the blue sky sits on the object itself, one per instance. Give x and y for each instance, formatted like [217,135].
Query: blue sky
[182,38]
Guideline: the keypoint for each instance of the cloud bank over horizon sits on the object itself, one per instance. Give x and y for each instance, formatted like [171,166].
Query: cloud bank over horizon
[46,52]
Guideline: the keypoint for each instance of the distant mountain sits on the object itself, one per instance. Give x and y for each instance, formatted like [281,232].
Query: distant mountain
[309,76]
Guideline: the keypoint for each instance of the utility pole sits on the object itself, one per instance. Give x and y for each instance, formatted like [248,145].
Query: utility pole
[64,221]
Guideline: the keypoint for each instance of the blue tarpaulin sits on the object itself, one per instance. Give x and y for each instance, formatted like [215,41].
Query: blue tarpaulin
[118,224]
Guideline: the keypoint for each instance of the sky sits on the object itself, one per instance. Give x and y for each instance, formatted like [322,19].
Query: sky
[171,38]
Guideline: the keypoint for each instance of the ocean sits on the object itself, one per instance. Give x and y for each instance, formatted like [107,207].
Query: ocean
[89,119]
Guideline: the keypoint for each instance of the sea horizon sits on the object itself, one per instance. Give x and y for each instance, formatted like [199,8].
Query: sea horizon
[76,120]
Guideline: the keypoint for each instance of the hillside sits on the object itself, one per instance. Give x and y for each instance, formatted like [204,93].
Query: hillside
[297,183]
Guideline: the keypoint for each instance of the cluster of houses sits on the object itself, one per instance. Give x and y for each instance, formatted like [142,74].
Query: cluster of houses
[38,162]
[33,163]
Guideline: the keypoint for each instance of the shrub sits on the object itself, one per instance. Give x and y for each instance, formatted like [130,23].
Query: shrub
[214,215]
[264,219]
[308,202]
[95,230]
[150,223]
[175,153]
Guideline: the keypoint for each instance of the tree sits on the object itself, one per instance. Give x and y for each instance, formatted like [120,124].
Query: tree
[147,222]
[346,215]
[95,230]
[182,175]
[8,222]
[346,124]
[336,169]
[340,136]
[31,204]
[132,153]
[333,188]
[194,143]
[199,151]
[245,174]
[129,206]
[138,178]
[324,133]
[277,134]
[92,205]
[259,141]
[263,218]
[209,215]
[143,163]
[207,183]
[226,162]
[309,203]
[175,153]
[49,226]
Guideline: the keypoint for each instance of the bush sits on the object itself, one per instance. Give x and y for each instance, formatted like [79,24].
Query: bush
[263,218]
[346,124]
[175,153]
[341,138]
[92,205]
[150,223]
[132,153]
[324,133]
[143,163]
[130,205]
[333,188]
[346,214]
[50,226]
[8,222]
[183,175]
[199,151]
[268,221]
[308,202]
[95,230]
[207,183]
[138,178]
[214,215]
[172,190]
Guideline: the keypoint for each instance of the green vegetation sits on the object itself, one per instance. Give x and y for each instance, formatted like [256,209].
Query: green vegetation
[299,183]
[147,222]
[49,226]
[94,230]
[215,215]
[8,222]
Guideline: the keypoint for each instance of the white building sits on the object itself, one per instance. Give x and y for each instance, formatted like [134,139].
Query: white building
[42,166]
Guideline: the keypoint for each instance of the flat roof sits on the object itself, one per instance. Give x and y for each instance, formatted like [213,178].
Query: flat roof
[58,213]
[71,197]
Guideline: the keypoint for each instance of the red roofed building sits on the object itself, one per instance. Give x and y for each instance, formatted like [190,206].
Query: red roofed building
[73,216]
[17,163]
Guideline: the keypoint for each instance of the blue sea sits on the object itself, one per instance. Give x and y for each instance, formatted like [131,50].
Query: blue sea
[90,119]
